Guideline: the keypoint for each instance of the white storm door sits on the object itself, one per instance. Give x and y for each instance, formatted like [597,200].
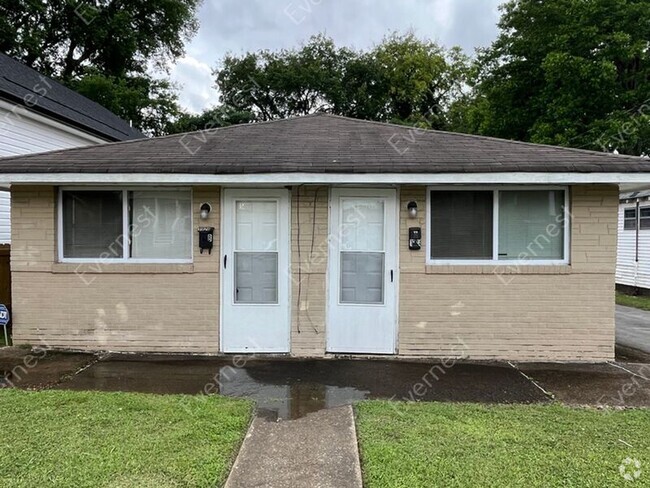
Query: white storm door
[362,270]
[255,313]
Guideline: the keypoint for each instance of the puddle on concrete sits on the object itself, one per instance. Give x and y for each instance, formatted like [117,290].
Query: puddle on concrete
[290,389]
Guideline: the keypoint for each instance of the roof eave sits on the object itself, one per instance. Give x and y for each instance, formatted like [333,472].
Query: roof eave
[630,181]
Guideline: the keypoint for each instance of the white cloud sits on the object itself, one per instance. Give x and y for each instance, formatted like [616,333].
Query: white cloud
[195,79]
[238,26]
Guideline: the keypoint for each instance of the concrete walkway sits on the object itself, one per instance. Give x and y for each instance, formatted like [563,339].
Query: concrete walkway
[316,451]
[633,328]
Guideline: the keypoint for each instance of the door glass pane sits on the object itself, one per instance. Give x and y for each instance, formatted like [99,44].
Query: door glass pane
[256,277]
[161,224]
[256,225]
[531,224]
[362,277]
[92,224]
[362,224]
[461,224]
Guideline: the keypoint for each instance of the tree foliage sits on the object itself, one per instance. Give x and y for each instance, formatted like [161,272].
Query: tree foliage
[61,38]
[147,103]
[568,72]
[98,45]
[213,118]
[403,79]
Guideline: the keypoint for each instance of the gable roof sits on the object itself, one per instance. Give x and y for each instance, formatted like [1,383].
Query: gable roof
[18,81]
[322,143]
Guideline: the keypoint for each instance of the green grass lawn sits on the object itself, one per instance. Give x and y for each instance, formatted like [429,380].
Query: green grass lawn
[91,439]
[461,445]
[631,301]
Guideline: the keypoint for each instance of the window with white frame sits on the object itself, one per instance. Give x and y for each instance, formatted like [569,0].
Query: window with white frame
[139,225]
[629,219]
[644,218]
[497,225]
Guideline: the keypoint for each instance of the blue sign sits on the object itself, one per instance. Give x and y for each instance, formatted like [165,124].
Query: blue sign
[4,316]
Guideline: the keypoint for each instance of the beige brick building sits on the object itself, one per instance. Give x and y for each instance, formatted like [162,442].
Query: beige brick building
[448,258]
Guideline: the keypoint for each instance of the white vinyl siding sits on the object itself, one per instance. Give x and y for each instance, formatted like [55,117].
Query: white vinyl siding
[629,270]
[5,211]
[25,132]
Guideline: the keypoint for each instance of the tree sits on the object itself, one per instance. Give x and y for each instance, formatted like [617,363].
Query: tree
[567,72]
[210,119]
[61,38]
[111,42]
[147,103]
[285,83]
[403,79]
[419,78]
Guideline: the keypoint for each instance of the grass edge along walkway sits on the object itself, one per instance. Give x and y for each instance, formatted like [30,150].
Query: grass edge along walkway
[457,445]
[87,439]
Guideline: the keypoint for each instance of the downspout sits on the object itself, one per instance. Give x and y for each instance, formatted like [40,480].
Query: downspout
[637,224]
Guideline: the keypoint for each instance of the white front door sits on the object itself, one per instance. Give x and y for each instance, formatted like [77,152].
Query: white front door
[255,271]
[362,270]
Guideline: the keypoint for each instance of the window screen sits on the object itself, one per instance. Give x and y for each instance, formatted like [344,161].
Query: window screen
[256,277]
[362,277]
[161,224]
[531,224]
[629,219]
[92,224]
[461,224]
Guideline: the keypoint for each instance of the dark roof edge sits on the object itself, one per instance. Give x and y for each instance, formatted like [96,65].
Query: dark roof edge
[60,103]
[37,109]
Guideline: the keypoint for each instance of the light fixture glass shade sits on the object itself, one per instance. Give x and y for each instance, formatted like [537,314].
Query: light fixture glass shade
[205,210]
[413,209]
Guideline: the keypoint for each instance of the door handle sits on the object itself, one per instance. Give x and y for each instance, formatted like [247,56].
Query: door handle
[225,260]
[391,275]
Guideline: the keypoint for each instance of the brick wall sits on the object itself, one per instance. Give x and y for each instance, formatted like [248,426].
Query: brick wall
[508,312]
[309,254]
[122,307]
[525,313]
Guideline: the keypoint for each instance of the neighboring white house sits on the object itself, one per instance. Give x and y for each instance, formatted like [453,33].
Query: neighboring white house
[633,256]
[38,114]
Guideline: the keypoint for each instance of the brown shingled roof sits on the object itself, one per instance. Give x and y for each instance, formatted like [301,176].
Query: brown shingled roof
[321,143]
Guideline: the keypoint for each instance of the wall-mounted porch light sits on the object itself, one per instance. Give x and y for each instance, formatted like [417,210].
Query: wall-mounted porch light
[413,209]
[206,208]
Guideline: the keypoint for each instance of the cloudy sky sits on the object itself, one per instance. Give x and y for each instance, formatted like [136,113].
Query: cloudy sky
[237,26]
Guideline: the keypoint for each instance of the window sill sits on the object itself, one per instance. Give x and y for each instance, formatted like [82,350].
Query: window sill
[123,268]
[499,269]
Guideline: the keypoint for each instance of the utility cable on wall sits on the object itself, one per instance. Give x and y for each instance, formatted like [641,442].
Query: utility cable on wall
[310,257]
